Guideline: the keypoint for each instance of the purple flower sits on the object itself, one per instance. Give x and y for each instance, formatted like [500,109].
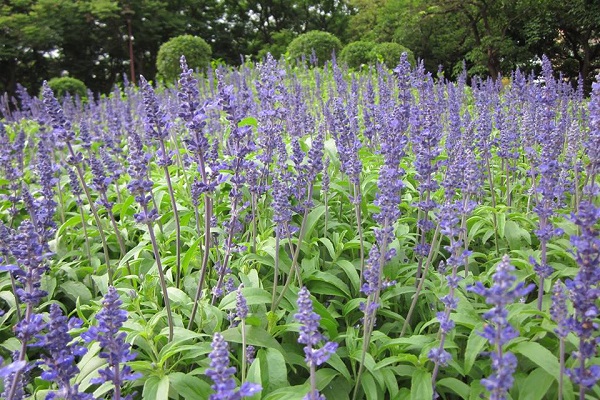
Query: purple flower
[59,359]
[30,254]
[241,306]
[309,331]
[593,140]
[222,374]
[558,309]
[114,348]
[439,356]
[347,141]
[155,121]
[250,354]
[60,124]
[584,293]
[498,384]
[499,331]
[11,368]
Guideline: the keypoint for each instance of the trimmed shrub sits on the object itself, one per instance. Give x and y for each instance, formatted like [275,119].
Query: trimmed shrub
[323,43]
[358,53]
[63,85]
[196,51]
[389,53]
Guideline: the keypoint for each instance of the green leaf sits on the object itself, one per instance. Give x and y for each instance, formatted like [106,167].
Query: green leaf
[255,336]
[337,363]
[420,385]
[253,296]
[539,355]
[324,377]
[514,234]
[156,388]
[273,369]
[312,219]
[68,224]
[501,221]
[327,284]
[536,385]
[350,271]
[248,121]
[475,345]
[178,296]
[76,290]
[391,381]
[189,254]
[458,387]
[369,386]
[329,245]
[289,393]
[189,387]
[101,282]
[254,375]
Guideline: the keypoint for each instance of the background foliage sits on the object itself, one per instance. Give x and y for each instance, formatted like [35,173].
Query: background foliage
[42,38]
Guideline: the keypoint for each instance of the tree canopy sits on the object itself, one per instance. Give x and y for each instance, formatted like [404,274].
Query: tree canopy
[90,39]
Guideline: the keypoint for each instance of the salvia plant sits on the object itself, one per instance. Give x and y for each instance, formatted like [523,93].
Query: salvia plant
[293,231]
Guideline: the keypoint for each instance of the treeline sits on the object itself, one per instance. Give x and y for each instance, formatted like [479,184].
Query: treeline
[90,39]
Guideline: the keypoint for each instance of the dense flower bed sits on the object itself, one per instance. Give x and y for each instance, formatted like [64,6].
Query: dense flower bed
[287,232]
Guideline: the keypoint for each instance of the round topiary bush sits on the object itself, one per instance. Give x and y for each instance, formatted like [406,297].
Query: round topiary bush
[358,53]
[63,85]
[323,43]
[196,51]
[389,53]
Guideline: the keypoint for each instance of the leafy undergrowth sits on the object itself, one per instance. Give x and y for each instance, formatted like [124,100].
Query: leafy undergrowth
[280,232]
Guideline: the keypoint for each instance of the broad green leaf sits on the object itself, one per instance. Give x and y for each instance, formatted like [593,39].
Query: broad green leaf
[156,388]
[253,296]
[391,381]
[350,271]
[68,224]
[289,393]
[101,282]
[458,387]
[536,385]
[133,253]
[475,345]
[189,254]
[330,280]
[324,377]
[254,375]
[420,385]
[248,121]
[329,245]
[189,387]
[273,370]
[501,221]
[76,290]
[255,336]
[369,386]
[312,219]
[178,296]
[337,363]
[539,355]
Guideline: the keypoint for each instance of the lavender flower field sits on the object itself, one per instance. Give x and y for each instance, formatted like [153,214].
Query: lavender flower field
[284,232]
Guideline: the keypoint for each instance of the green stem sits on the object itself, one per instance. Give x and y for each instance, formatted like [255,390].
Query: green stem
[205,257]
[360,229]
[243,329]
[177,223]
[422,281]
[161,275]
